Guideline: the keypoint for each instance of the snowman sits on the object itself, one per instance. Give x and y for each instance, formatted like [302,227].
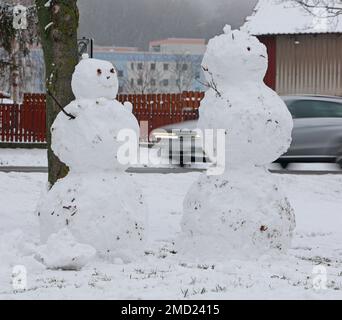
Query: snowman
[243,213]
[97,204]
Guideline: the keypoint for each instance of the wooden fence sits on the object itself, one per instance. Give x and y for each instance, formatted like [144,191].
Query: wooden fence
[27,122]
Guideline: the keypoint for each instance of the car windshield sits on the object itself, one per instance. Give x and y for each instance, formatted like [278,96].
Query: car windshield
[314,108]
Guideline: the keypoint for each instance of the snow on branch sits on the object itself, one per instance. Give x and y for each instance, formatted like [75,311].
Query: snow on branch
[326,8]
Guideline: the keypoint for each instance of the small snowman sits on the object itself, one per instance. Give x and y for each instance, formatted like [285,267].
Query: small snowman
[98,203]
[243,213]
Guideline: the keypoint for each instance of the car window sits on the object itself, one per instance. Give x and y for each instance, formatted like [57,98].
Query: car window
[314,109]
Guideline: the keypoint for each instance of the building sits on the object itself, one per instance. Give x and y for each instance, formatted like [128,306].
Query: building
[305,49]
[166,71]
[171,70]
[178,45]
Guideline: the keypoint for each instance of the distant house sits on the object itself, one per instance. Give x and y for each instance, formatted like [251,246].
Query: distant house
[305,50]
[171,66]
[179,46]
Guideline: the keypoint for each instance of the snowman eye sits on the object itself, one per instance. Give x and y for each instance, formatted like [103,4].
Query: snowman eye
[249,48]
[112,70]
[99,72]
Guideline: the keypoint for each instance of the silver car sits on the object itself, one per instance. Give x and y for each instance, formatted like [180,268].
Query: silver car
[317,132]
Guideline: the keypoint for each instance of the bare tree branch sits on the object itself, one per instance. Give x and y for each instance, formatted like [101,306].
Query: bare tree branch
[331,8]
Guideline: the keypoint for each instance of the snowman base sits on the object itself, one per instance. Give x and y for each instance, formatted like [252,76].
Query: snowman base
[242,214]
[103,210]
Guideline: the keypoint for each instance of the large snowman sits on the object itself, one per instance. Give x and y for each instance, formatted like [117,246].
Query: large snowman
[98,204]
[243,212]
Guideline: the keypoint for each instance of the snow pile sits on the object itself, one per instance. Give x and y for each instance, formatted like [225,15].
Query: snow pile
[97,201]
[243,212]
[62,251]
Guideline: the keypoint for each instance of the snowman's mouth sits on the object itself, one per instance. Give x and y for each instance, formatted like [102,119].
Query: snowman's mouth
[107,83]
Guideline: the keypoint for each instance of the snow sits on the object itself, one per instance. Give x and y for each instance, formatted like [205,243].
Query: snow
[273,16]
[86,205]
[23,157]
[89,144]
[257,126]
[95,79]
[161,273]
[48,26]
[6,101]
[62,251]
[217,223]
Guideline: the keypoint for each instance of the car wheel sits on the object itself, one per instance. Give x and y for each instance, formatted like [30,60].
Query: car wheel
[339,158]
[284,165]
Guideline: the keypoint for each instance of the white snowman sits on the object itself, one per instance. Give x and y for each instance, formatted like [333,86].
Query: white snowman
[98,203]
[242,213]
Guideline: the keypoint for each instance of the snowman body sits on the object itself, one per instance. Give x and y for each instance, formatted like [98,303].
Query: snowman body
[242,213]
[97,202]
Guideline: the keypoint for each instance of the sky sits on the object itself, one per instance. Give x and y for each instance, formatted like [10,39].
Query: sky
[136,22]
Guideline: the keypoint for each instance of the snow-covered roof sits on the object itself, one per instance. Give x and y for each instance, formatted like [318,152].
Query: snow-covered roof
[288,17]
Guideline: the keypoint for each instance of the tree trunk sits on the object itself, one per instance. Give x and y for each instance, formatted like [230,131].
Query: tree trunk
[58,24]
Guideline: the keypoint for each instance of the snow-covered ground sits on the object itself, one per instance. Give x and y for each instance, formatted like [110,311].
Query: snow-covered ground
[38,158]
[162,274]
[23,157]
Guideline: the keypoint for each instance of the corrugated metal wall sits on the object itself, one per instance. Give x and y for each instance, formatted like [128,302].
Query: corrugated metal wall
[309,64]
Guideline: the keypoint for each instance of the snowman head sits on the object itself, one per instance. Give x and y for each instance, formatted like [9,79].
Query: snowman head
[235,57]
[94,79]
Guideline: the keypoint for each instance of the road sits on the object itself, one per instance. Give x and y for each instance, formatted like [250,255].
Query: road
[176,170]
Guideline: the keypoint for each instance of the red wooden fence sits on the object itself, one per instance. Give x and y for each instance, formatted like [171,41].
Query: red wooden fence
[27,123]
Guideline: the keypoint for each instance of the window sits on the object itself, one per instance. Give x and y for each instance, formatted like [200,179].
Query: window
[156,48]
[132,82]
[132,66]
[153,82]
[185,67]
[120,73]
[314,109]
[153,66]
[140,82]
[140,66]
[166,66]
[165,82]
